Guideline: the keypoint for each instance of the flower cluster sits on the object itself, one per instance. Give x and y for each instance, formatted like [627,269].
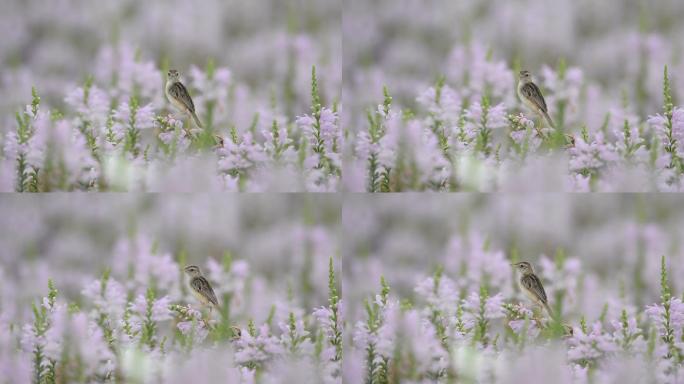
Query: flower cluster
[444,334]
[449,306]
[110,333]
[469,132]
[119,307]
[117,132]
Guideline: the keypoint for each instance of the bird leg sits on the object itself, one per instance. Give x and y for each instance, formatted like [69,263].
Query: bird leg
[538,316]
[537,319]
[538,127]
[182,117]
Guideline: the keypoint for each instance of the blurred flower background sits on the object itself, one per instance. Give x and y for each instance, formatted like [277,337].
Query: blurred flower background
[118,308]
[98,119]
[450,118]
[434,297]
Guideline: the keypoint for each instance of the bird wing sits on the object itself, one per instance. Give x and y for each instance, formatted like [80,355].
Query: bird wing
[533,284]
[533,93]
[180,93]
[202,286]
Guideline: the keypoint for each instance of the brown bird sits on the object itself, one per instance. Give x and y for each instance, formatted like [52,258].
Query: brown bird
[532,286]
[531,96]
[200,287]
[179,96]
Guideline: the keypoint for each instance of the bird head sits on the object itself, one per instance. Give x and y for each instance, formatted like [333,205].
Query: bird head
[192,271]
[524,267]
[525,75]
[173,74]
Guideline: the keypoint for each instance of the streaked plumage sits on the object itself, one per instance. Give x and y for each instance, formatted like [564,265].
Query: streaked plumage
[532,286]
[203,290]
[179,96]
[200,287]
[530,94]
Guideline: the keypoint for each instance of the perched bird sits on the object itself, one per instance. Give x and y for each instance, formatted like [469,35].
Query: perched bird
[179,97]
[530,284]
[200,287]
[531,96]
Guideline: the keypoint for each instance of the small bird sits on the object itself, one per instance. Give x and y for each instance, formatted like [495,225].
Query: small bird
[531,96]
[200,287]
[530,284]
[179,97]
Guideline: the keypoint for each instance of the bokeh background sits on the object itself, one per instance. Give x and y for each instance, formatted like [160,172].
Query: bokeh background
[620,45]
[284,240]
[451,119]
[449,308]
[616,241]
[119,309]
[269,45]
[99,68]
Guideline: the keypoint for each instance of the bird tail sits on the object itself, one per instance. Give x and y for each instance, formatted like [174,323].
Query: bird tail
[197,120]
[549,311]
[548,119]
